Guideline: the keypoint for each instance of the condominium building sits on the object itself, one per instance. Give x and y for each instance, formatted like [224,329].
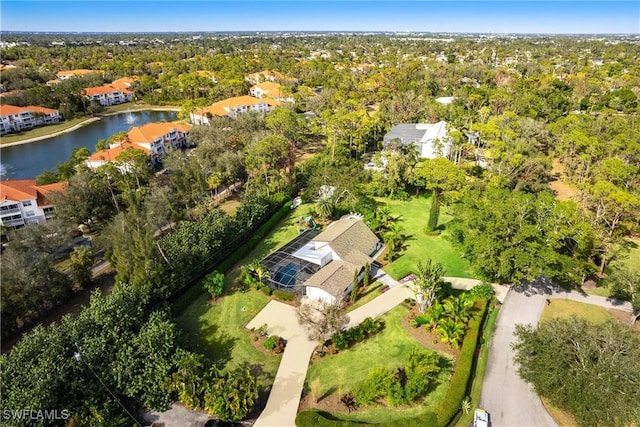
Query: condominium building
[23,202]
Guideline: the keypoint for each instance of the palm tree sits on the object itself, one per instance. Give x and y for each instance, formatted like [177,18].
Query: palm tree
[187,380]
[326,207]
[427,283]
[260,271]
[450,332]
[393,239]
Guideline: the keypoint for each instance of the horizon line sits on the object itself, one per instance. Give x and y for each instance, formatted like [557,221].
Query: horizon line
[316,31]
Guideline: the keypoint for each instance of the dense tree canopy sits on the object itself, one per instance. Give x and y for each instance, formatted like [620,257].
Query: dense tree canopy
[515,237]
[593,371]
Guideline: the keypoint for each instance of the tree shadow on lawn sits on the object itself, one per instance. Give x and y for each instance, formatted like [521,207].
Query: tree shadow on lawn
[218,345]
[208,340]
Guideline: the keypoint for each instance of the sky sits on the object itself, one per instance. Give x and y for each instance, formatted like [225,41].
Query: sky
[511,16]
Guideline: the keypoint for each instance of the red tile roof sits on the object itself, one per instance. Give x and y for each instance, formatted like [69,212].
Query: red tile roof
[103,90]
[220,108]
[110,154]
[26,189]
[152,131]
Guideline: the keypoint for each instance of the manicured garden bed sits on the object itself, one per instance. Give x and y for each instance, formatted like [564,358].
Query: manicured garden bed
[341,373]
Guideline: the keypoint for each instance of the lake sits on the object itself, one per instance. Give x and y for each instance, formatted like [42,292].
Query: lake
[26,161]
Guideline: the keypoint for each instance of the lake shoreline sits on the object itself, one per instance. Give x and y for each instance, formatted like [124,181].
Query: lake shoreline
[86,122]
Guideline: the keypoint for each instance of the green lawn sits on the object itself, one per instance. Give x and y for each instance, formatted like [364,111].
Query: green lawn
[349,367]
[373,291]
[625,256]
[628,256]
[218,331]
[41,131]
[560,308]
[414,214]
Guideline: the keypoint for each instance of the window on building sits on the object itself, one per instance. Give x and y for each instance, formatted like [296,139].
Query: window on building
[29,213]
[26,203]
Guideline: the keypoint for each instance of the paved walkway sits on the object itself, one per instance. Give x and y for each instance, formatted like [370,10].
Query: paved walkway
[284,399]
[466,284]
[595,300]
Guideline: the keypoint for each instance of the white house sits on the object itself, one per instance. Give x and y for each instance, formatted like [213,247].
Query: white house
[323,264]
[16,119]
[432,140]
[108,95]
[23,202]
[268,76]
[232,107]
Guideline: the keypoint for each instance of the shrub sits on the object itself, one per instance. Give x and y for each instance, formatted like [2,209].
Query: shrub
[422,320]
[413,322]
[262,330]
[375,386]
[355,334]
[372,326]
[284,295]
[265,290]
[271,342]
[450,405]
[484,290]
[340,340]
[214,283]
[280,346]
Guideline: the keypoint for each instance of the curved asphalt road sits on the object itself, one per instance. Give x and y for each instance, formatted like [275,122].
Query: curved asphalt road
[508,399]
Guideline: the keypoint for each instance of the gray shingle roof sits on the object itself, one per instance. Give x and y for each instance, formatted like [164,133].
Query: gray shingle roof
[347,235]
[407,133]
[334,278]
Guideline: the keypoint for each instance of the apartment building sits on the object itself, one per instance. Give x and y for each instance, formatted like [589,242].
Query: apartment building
[232,107]
[16,119]
[108,95]
[23,202]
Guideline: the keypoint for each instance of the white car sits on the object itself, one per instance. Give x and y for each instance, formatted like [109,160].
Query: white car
[481,418]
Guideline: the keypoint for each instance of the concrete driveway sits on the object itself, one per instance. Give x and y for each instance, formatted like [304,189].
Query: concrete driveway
[284,398]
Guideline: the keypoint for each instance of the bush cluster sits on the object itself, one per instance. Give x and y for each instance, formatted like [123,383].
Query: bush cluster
[275,343]
[402,385]
[183,298]
[284,295]
[449,406]
[344,339]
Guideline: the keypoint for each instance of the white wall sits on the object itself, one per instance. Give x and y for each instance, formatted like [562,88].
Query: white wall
[317,293]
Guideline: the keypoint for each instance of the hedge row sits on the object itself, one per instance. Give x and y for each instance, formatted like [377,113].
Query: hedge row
[181,303]
[457,391]
[449,406]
